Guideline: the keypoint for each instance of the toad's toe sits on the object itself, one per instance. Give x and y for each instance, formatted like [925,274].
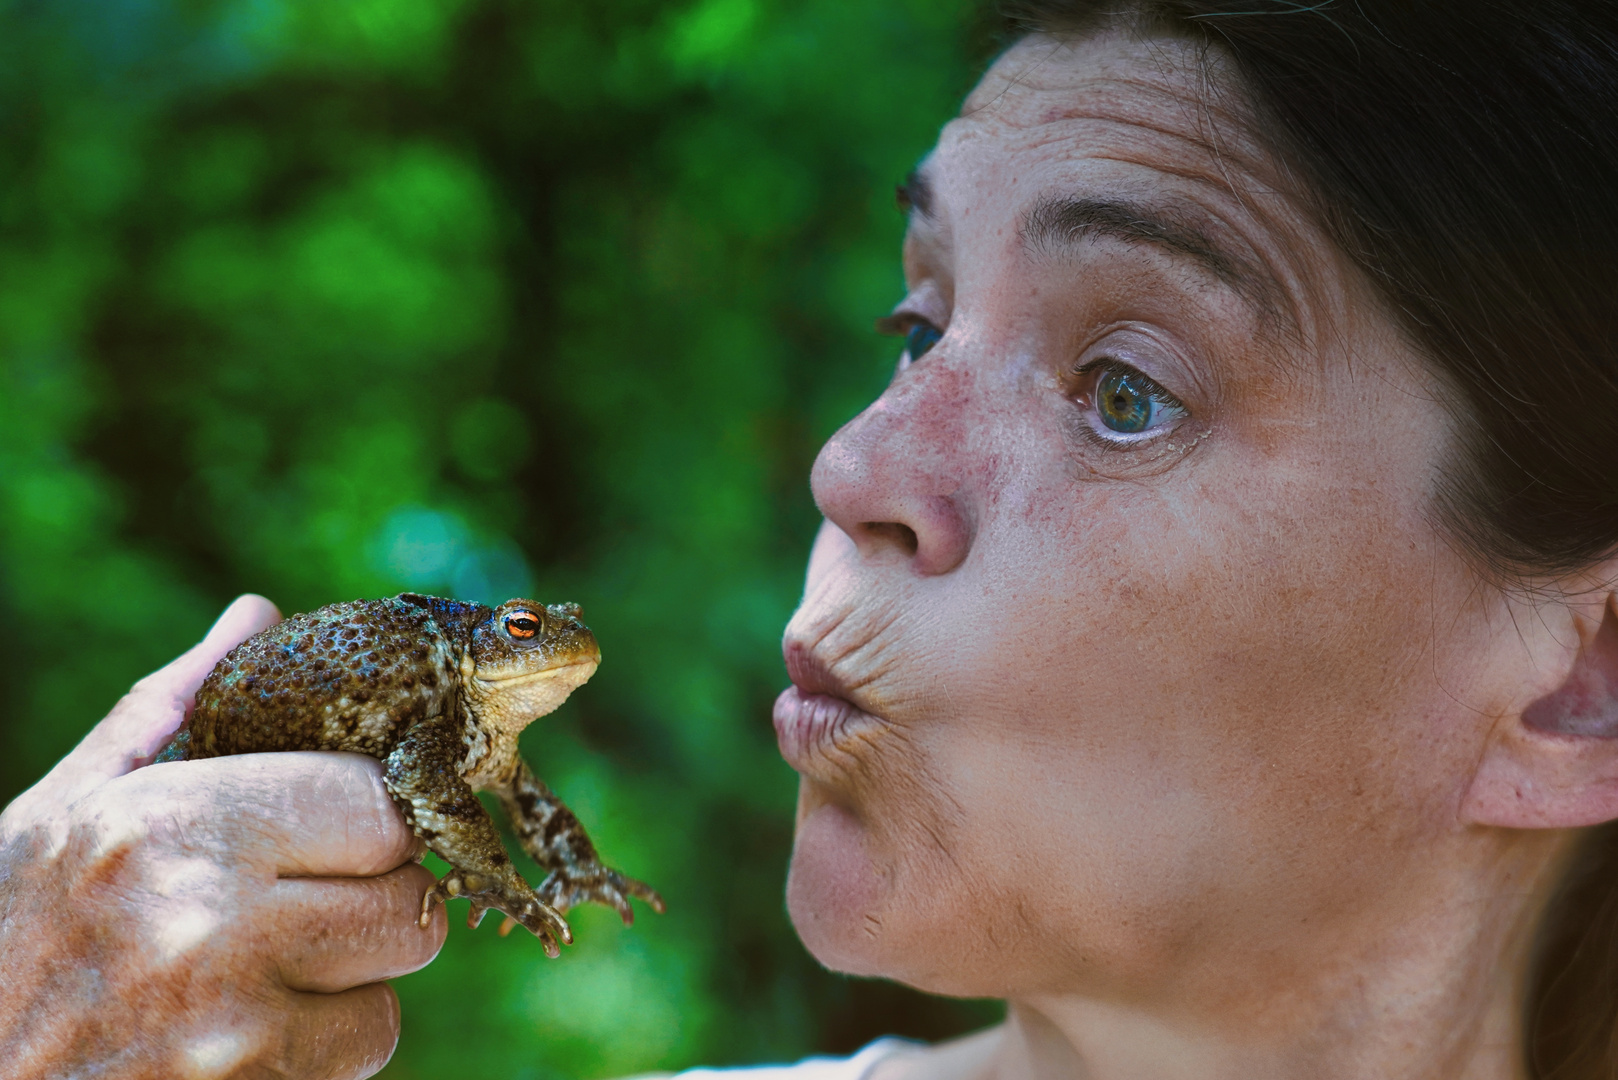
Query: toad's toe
[544,921]
[566,889]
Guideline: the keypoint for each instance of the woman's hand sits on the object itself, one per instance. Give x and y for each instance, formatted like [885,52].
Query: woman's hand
[231,916]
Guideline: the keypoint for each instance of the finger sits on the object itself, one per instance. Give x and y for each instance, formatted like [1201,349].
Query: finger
[342,1036]
[246,616]
[297,814]
[330,934]
[143,720]
[168,692]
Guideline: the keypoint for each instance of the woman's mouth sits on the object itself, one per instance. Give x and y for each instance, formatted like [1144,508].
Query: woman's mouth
[808,725]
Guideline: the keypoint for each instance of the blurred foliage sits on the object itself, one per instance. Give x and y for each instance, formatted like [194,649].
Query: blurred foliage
[334,298]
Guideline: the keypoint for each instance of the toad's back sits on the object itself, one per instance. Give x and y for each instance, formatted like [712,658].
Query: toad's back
[351,676]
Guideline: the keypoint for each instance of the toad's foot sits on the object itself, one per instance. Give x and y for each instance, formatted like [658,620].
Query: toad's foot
[555,840]
[517,901]
[570,886]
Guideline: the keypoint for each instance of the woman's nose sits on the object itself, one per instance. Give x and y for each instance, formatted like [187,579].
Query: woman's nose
[893,477]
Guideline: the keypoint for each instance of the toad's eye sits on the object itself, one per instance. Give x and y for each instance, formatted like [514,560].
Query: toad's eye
[523,625]
[919,339]
[1129,403]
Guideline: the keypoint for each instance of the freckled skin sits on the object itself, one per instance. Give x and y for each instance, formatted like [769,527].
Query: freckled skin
[437,690]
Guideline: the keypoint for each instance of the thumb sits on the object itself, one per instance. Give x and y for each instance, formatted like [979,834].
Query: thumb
[154,708]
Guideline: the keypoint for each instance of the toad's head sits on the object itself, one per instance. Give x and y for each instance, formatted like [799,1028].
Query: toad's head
[525,659]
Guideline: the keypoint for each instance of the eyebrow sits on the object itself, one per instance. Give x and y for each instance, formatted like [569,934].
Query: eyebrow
[1058,222]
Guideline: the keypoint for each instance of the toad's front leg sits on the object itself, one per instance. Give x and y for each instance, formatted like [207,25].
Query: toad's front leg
[423,776]
[555,840]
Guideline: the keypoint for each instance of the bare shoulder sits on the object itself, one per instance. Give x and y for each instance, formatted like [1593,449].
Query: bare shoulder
[966,1058]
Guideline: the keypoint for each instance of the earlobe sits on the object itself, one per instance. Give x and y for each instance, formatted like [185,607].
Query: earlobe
[1556,764]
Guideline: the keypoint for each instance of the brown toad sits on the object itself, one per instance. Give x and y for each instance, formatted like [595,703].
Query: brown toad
[438,690]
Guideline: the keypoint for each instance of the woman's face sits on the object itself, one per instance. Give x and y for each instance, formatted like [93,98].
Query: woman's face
[1130,654]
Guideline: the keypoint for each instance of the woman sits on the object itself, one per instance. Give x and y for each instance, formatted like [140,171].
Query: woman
[1212,645]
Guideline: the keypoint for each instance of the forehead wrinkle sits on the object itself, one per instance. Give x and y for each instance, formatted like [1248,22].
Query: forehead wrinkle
[1189,125]
[1230,169]
[1207,105]
[1224,146]
[1221,157]
[1187,119]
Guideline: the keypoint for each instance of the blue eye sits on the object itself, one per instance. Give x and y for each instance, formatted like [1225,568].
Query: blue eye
[1129,403]
[920,338]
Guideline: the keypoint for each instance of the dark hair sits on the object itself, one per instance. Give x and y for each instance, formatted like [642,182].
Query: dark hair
[1464,153]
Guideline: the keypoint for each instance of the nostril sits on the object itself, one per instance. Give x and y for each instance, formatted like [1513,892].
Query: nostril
[895,533]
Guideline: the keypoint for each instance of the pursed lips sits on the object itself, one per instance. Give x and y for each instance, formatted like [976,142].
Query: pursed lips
[814,714]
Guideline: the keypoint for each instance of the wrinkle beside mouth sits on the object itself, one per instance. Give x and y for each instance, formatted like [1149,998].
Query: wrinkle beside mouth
[845,641]
[841,661]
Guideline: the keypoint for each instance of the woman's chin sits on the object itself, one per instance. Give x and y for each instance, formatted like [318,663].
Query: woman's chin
[833,891]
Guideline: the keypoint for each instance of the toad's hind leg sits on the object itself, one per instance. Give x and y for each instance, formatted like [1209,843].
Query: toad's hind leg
[555,840]
[423,776]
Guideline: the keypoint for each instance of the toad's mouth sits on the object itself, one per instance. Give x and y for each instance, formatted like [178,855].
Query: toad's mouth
[557,670]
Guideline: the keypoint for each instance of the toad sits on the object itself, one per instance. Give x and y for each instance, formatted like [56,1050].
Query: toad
[438,690]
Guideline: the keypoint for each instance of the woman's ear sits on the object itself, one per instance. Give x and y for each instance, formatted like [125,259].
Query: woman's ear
[1587,701]
[1555,764]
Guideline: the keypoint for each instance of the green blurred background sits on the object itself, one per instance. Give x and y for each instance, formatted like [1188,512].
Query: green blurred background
[335,298]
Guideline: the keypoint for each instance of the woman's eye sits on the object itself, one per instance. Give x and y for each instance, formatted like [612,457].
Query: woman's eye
[919,338]
[1129,403]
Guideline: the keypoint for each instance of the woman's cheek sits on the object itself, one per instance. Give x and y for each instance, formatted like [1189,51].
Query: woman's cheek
[834,890]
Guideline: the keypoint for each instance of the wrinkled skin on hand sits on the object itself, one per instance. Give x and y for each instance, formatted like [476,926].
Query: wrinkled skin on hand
[230,917]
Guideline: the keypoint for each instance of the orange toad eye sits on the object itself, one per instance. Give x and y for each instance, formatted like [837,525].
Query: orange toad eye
[524,624]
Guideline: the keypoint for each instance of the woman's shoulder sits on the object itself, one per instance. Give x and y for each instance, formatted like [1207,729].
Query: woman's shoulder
[857,1067]
[885,1059]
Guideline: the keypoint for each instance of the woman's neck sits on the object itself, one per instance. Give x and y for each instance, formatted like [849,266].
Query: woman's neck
[1436,998]
[1086,1041]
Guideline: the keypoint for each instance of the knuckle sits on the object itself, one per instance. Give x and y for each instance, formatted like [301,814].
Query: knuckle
[213,1054]
[154,691]
[104,841]
[141,813]
[243,1037]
